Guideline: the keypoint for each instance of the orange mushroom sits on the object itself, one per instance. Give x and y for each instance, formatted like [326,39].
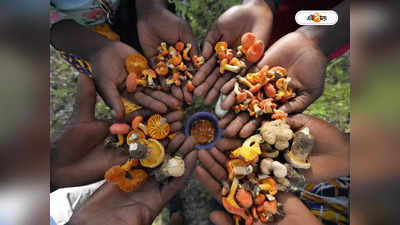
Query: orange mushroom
[176,78]
[269,90]
[119,129]
[176,59]
[221,46]
[190,87]
[225,66]
[279,115]
[162,69]
[155,154]
[149,74]
[128,180]
[186,52]
[244,198]
[197,61]
[278,69]
[131,82]
[247,40]
[179,46]
[260,199]
[269,185]
[158,127]
[229,202]
[136,63]
[270,207]
[134,135]
[129,106]
[162,49]
[136,121]
[254,53]
[237,168]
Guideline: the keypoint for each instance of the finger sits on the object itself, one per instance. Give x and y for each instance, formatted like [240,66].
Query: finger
[297,121]
[175,116]
[226,120]
[177,92]
[211,165]
[213,186]
[236,125]
[85,100]
[228,86]
[229,101]
[141,112]
[176,184]
[204,87]
[220,218]
[187,36]
[187,95]
[149,102]
[187,146]
[215,90]
[204,71]
[250,127]
[175,143]
[176,126]
[211,39]
[111,96]
[219,156]
[170,101]
[297,104]
[228,144]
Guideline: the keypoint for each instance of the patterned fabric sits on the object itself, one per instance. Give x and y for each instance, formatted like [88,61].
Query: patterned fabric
[329,201]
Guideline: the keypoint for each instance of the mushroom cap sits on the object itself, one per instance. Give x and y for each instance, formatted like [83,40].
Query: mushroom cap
[119,128]
[156,153]
[254,53]
[221,46]
[158,127]
[174,167]
[269,184]
[131,82]
[296,162]
[279,69]
[222,65]
[137,178]
[136,131]
[129,106]
[179,46]
[247,40]
[162,69]
[136,63]
[149,72]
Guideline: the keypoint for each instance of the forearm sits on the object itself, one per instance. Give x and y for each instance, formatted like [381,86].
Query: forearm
[330,38]
[74,38]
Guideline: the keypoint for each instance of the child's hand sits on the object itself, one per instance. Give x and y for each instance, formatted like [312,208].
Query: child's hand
[110,205]
[213,171]
[157,24]
[252,16]
[78,156]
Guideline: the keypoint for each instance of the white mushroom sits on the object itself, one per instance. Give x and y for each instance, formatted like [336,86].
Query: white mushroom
[279,169]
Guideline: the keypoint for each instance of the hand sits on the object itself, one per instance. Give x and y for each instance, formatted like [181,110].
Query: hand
[305,64]
[78,155]
[157,24]
[252,16]
[110,74]
[213,172]
[109,205]
[330,157]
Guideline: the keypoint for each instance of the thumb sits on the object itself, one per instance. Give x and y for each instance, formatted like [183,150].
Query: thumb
[111,96]
[85,100]
[297,105]
[213,36]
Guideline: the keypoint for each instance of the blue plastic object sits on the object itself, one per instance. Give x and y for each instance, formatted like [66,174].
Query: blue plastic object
[208,116]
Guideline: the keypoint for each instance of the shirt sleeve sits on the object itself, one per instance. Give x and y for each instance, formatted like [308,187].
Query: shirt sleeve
[57,16]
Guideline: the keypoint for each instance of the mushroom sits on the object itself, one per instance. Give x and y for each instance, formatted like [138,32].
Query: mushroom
[138,150]
[197,61]
[250,150]
[189,86]
[129,106]
[267,105]
[247,40]
[128,180]
[268,185]
[186,52]
[244,198]
[136,63]
[161,69]
[238,167]
[155,153]
[182,67]
[158,127]
[176,78]
[267,165]
[270,207]
[260,199]
[119,129]
[240,96]
[229,202]
[163,48]
[279,115]
[277,133]
[218,106]
[221,46]
[254,53]
[298,155]
[131,82]
[149,74]
[171,167]
[253,88]
[296,179]
[268,151]
[279,70]
[134,135]
[269,90]
[179,46]
[225,66]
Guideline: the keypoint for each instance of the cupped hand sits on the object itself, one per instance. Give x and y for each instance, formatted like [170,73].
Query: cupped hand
[78,155]
[305,64]
[110,74]
[213,171]
[252,16]
[157,24]
[110,205]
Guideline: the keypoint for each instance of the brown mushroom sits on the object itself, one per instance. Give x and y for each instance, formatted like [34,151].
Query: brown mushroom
[298,155]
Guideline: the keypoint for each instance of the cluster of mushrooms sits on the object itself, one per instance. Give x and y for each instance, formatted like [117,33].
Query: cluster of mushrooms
[147,154]
[174,63]
[266,163]
[258,93]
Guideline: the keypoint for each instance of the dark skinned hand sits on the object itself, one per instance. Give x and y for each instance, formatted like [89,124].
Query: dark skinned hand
[213,171]
[157,24]
[331,153]
[109,205]
[110,74]
[251,16]
[305,63]
[78,155]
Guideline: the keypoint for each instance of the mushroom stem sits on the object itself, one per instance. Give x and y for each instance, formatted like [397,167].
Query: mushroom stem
[120,140]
